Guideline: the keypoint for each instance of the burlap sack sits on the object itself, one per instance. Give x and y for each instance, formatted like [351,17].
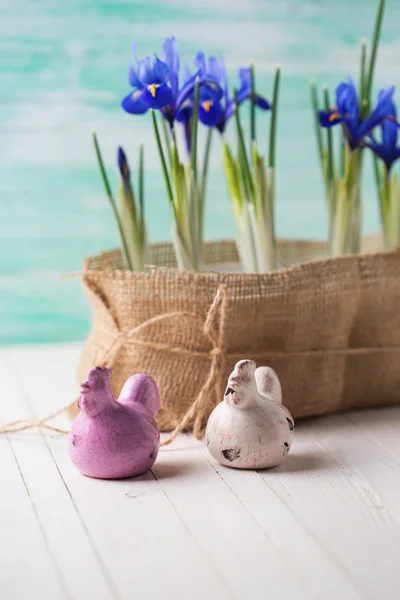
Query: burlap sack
[330,328]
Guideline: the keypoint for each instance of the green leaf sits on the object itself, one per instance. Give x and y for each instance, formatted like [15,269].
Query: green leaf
[195,122]
[124,247]
[374,51]
[317,127]
[232,177]
[243,161]
[162,157]
[272,133]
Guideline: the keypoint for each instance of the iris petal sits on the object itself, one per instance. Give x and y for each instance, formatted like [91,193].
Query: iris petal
[378,114]
[211,88]
[186,91]
[347,106]
[214,68]
[245,78]
[160,71]
[262,102]
[185,113]
[243,94]
[161,97]
[351,101]
[229,109]
[389,129]
[328,118]
[145,71]
[217,70]
[383,153]
[133,103]
[390,125]
[341,92]
[171,58]
[212,116]
[133,78]
[200,62]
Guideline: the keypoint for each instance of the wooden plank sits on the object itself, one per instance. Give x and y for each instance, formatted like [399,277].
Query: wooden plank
[382,426]
[343,513]
[372,458]
[247,559]
[297,546]
[137,531]
[26,563]
[25,559]
[69,546]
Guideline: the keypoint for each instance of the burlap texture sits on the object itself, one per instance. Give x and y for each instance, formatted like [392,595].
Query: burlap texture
[329,327]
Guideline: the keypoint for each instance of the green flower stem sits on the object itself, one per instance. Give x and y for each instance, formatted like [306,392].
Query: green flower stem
[244,238]
[270,183]
[206,161]
[330,158]
[374,51]
[183,259]
[389,208]
[392,233]
[125,252]
[244,163]
[141,193]
[167,140]
[162,157]
[363,76]
[195,198]
[272,135]
[252,105]
[195,115]
[265,238]
[318,131]
[343,150]
[346,217]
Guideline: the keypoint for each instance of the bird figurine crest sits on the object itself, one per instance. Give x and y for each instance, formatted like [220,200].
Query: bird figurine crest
[112,439]
[250,428]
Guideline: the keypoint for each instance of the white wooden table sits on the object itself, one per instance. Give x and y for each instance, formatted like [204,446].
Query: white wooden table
[325,525]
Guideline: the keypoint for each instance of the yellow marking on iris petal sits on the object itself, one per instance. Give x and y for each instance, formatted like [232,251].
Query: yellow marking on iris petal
[207,105]
[333,117]
[153,89]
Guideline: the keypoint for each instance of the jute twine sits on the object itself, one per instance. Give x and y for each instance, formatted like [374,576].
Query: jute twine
[330,328]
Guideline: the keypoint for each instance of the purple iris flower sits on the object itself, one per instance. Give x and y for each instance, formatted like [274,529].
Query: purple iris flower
[210,94]
[347,113]
[387,149]
[213,111]
[156,84]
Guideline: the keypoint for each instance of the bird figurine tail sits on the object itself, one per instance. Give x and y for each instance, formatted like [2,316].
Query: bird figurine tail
[268,384]
[141,390]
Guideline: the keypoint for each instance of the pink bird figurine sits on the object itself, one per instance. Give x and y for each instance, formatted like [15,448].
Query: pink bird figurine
[112,439]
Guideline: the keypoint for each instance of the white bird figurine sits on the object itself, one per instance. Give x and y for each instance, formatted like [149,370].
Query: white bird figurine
[250,428]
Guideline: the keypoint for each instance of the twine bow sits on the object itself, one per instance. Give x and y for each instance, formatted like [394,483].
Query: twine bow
[204,402]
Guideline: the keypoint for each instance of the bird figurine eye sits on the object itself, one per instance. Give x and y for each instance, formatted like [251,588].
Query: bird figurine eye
[229,391]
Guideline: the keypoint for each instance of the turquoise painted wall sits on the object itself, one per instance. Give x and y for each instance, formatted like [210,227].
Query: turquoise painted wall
[63,69]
